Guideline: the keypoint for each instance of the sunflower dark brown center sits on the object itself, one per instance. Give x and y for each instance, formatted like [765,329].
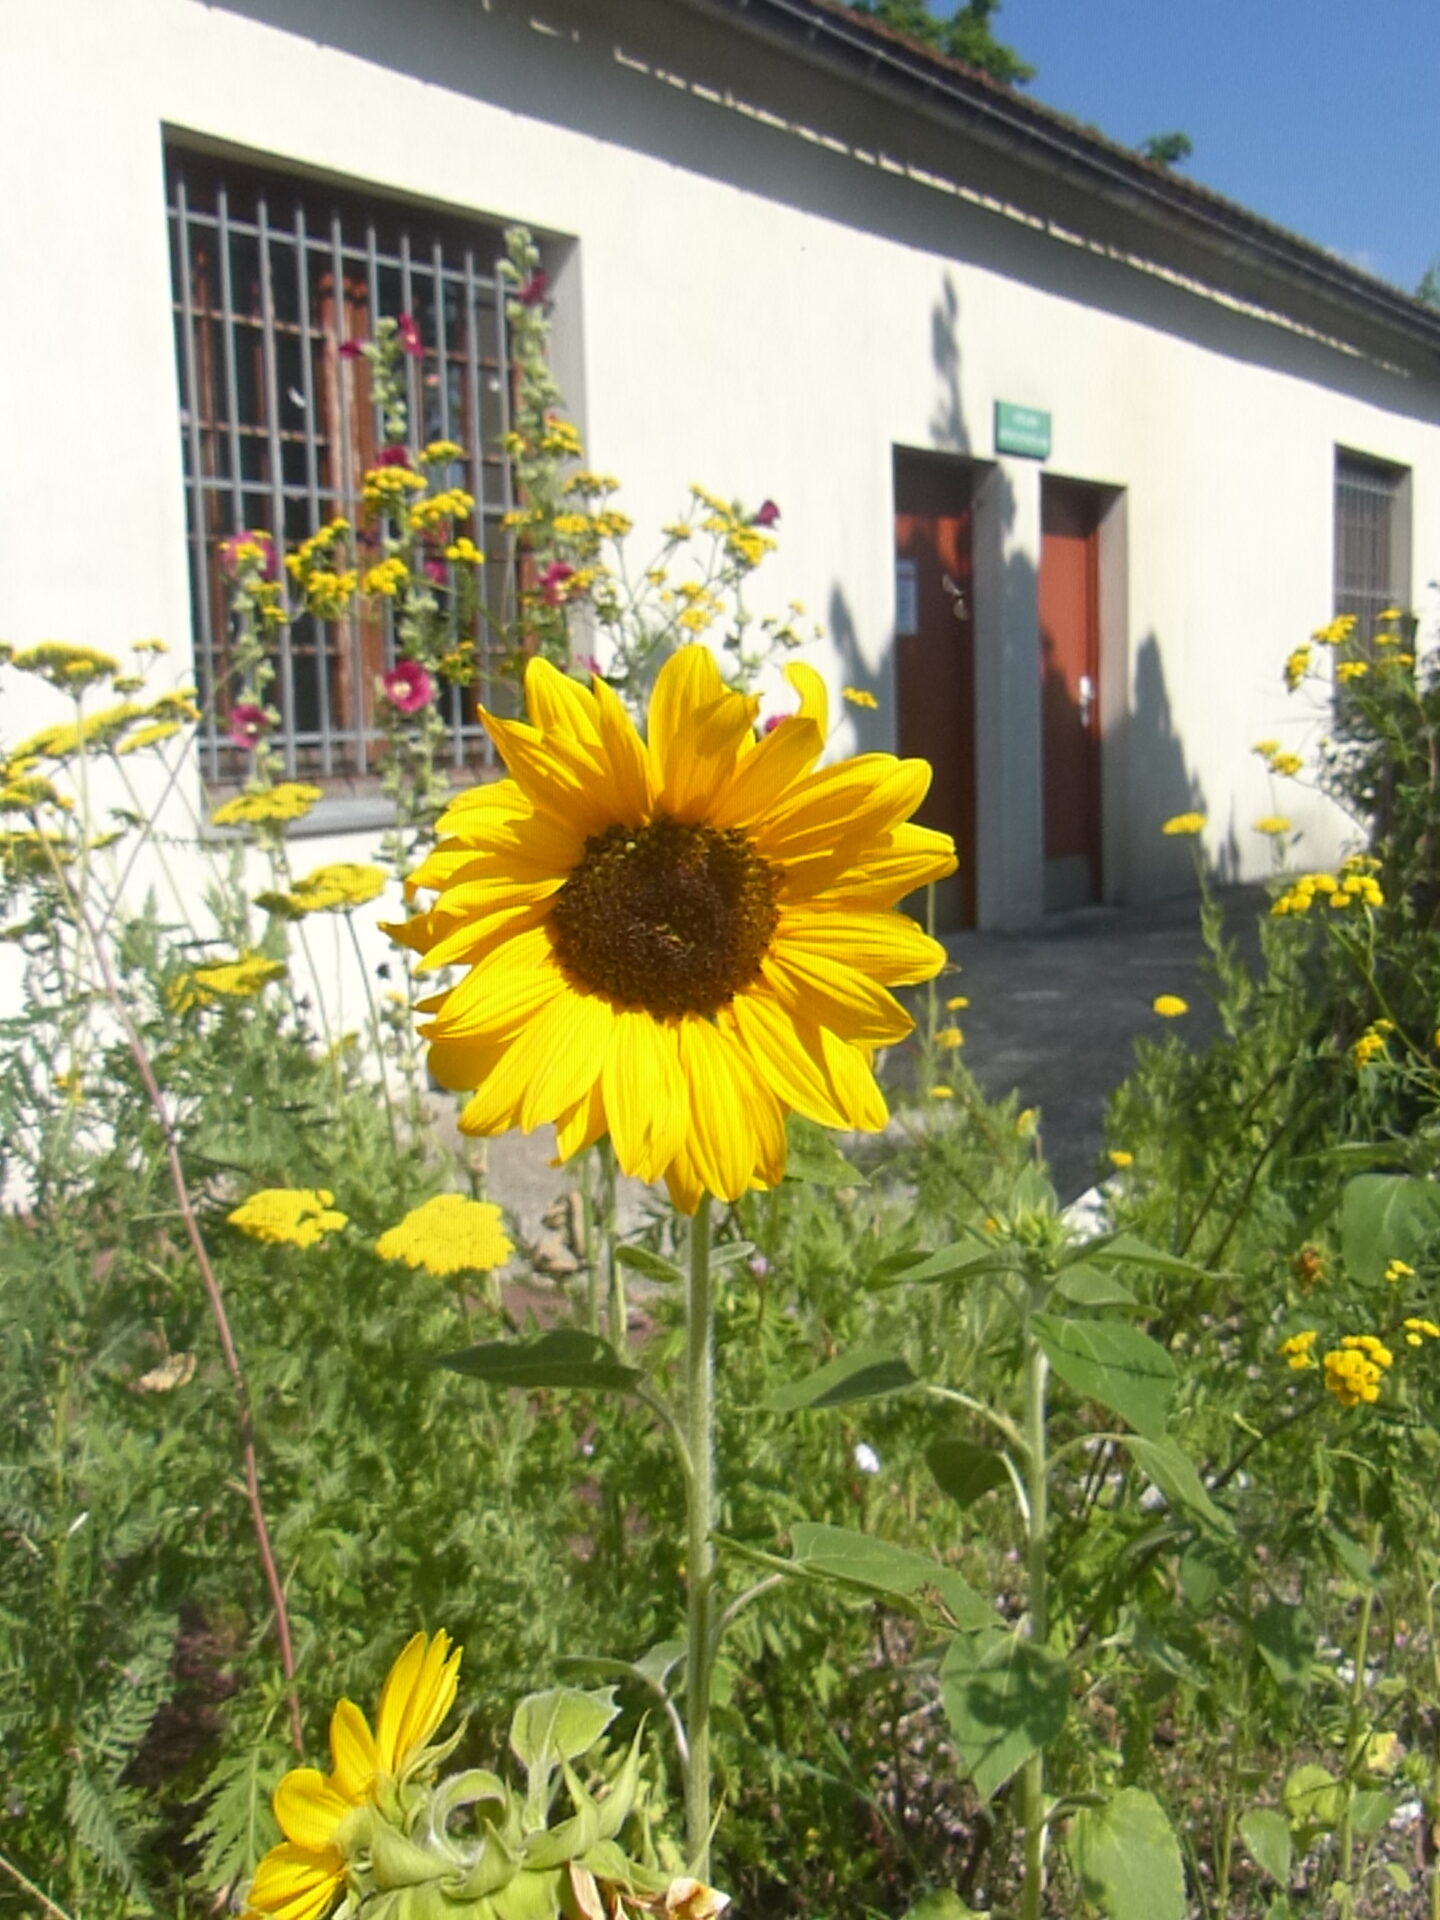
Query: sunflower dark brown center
[672,918]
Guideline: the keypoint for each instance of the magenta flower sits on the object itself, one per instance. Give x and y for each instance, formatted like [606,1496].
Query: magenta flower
[247,725]
[775,720]
[408,687]
[768,514]
[248,537]
[588,663]
[409,336]
[435,571]
[351,349]
[532,294]
[552,582]
[393,457]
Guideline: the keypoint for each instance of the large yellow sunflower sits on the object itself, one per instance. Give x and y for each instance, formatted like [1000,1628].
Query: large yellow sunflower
[675,942]
[298,1879]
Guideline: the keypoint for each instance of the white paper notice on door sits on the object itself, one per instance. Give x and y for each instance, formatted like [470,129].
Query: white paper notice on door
[907,599]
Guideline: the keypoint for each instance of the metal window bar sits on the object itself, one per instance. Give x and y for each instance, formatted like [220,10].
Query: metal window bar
[1365,500]
[300,476]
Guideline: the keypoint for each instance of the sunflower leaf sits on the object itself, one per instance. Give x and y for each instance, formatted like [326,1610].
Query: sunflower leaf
[565,1358]
[813,1156]
[862,1375]
[654,1266]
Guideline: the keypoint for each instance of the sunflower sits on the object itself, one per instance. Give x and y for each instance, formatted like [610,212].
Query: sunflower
[675,942]
[298,1879]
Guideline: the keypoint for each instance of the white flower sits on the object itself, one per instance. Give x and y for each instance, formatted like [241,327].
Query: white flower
[866,1458]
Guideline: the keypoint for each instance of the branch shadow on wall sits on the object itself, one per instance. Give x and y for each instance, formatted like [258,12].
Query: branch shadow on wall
[1160,782]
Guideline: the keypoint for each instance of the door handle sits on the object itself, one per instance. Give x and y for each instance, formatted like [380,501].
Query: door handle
[1086,692]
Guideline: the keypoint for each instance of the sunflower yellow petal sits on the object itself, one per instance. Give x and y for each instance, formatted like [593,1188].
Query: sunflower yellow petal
[462,1065]
[467,941]
[419,1691]
[721,1136]
[569,1042]
[683,1182]
[836,996]
[296,1883]
[581,1127]
[878,874]
[558,704]
[502,991]
[885,946]
[774,766]
[628,760]
[556,775]
[352,1752]
[789,1063]
[696,730]
[644,1093]
[844,805]
[856,1089]
[309,1809]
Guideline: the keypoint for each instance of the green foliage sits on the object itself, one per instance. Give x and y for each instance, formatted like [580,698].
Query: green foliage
[1168,149]
[966,34]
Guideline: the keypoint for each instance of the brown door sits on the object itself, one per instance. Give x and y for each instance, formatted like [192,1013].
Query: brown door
[935,656]
[1070,691]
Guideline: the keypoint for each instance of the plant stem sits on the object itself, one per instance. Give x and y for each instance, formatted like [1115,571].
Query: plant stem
[612,1274]
[1355,1725]
[1036,1370]
[42,1900]
[700,1549]
[212,1293]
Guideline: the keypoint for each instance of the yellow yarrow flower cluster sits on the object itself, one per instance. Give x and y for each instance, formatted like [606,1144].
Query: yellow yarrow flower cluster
[1355,884]
[860,697]
[1184,823]
[1418,1331]
[744,543]
[447,1235]
[1371,1044]
[1272,824]
[587,483]
[1169,1006]
[64,664]
[1348,670]
[440,451]
[1297,665]
[387,487]
[1337,632]
[1355,1369]
[1120,1157]
[299,1879]
[239,979]
[288,800]
[950,1038]
[344,885]
[385,579]
[465,551]
[288,1216]
[150,736]
[1296,1350]
[26,792]
[1399,1270]
[561,437]
[437,508]
[573,526]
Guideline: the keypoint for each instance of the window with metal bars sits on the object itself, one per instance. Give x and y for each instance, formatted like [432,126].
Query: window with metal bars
[271,276]
[1372,538]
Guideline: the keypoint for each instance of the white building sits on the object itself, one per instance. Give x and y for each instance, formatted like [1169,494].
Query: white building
[1069,451]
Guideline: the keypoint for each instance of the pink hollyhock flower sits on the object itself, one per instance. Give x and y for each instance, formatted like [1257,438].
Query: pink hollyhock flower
[408,687]
[393,457]
[409,336]
[435,571]
[351,349]
[588,663]
[253,537]
[532,294]
[552,582]
[247,724]
[773,722]
[768,514]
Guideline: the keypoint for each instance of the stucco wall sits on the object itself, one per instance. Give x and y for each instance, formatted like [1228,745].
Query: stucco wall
[762,298]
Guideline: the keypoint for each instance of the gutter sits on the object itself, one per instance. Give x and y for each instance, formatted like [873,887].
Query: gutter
[825,34]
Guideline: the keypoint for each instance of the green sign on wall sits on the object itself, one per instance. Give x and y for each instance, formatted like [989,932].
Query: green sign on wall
[1024,430]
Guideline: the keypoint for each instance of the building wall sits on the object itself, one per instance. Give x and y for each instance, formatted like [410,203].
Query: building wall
[776,282]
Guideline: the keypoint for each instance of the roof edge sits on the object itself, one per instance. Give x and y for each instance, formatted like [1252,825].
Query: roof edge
[826,33]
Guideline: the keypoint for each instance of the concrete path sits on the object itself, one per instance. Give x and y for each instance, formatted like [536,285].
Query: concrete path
[1053,1015]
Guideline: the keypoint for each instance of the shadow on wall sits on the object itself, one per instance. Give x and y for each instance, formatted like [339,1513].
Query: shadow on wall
[948,431]
[1160,784]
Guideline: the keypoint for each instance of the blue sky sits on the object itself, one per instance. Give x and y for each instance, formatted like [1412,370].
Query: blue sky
[1322,115]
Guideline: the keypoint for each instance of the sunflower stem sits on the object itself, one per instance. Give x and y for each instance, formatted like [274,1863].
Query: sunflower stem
[700,1550]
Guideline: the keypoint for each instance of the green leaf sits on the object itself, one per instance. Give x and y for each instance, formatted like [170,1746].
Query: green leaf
[1152,1646]
[941,1906]
[1086,1286]
[564,1358]
[860,1560]
[1267,1837]
[1286,1643]
[1005,1698]
[1034,1192]
[862,1375]
[1127,1858]
[1385,1217]
[1125,1250]
[1174,1473]
[965,1260]
[964,1470]
[1313,1798]
[653,1265]
[1207,1569]
[559,1724]
[1121,1367]
[813,1156]
[1370,1809]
